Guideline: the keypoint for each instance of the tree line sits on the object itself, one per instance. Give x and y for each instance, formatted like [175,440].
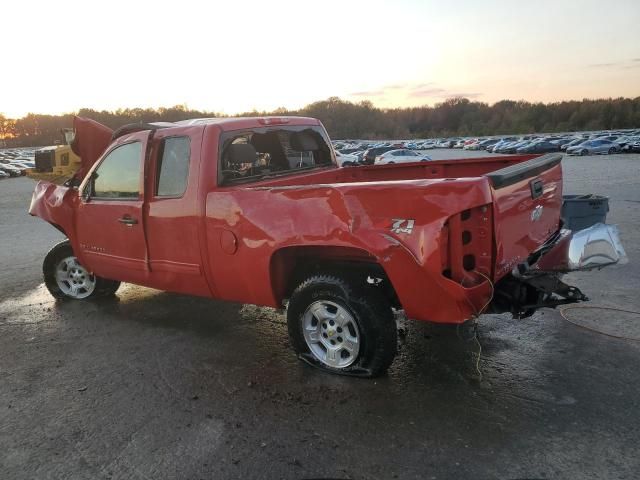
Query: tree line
[362,120]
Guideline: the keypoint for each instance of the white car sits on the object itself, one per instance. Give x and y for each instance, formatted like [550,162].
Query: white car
[341,158]
[401,155]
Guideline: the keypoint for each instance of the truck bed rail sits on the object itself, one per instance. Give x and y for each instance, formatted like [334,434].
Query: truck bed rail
[514,173]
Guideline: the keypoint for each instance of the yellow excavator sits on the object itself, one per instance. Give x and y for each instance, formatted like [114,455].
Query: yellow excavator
[57,163]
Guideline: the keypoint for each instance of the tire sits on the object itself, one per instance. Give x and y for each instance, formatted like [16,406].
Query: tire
[361,314]
[66,279]
[612,150]
[584,152]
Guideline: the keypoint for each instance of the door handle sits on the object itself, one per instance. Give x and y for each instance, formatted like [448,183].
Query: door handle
[128,221]
[537,188]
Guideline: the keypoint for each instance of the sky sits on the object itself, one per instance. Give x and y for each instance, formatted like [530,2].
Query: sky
[235,56]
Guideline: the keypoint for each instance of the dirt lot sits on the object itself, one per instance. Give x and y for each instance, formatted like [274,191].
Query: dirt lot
[153,385]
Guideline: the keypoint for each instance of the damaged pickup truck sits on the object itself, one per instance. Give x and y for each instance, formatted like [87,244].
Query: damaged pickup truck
[255,210]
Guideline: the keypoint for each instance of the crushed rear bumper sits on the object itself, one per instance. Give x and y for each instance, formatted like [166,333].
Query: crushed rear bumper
[538,283]
[592,248]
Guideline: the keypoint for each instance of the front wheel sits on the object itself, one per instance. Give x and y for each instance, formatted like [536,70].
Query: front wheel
[66,278]
[340,329]
[584,153]
[612,150]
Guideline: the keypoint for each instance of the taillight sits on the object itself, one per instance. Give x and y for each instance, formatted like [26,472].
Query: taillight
[467,246]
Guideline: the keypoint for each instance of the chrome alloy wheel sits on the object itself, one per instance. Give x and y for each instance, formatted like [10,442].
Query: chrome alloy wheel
[331,333]
[73,279]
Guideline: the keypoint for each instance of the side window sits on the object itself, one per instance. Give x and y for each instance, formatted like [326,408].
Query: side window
[118,176]
[173,167]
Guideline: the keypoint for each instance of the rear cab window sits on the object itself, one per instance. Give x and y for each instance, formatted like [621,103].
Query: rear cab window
[252,155]
[172,169]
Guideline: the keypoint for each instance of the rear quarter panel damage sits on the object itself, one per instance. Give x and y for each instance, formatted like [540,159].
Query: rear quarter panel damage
[359,216]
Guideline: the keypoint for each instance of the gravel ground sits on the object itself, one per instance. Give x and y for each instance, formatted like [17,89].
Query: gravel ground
[153,385]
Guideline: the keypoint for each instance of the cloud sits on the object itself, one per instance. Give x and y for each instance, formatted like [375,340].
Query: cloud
[631,63]
[426,92]
[465,95]
[380,92]
[373,93]
[416,91]
[424,85]
[605,65]
[437,92]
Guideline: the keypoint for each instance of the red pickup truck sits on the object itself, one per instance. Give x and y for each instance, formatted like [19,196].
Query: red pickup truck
[255,210]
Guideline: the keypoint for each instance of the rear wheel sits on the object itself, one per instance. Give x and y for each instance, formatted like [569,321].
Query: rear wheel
[341,329]
[66,278]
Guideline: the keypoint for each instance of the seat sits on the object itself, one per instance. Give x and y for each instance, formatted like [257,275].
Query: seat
[303,142]
[240,153]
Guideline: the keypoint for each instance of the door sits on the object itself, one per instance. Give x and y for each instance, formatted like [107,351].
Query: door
[173,212]
[109,223]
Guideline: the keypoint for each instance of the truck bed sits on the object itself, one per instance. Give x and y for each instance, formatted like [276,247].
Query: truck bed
[438,169]
[443,229]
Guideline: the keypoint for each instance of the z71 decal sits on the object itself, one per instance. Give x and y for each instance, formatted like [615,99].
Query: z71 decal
[402,225]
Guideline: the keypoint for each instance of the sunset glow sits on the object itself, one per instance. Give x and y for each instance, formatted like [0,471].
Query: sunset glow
[237,56]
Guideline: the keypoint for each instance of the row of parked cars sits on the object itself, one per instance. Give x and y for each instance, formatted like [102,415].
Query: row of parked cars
[16,162]
[604,142]
[574,144]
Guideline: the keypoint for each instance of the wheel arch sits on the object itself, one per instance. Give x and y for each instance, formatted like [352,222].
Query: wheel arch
[289,266]
[59,228]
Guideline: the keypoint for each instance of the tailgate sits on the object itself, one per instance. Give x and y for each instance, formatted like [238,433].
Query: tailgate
[527,198]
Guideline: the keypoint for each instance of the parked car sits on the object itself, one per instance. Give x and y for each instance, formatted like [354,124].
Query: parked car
[481,144]
[542,146]
[23,165]
[500,143]
[575,141]
[345,160]
[428,145]
[255,210]
[472,145]
[635,147]
[594,147]
[11,169]
[512,147]
[370,155]
[402,155]
[4,174]
[447,143]
[632,146]
[623,141]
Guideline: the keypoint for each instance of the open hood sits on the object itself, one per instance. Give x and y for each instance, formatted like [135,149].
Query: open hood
[90,140]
